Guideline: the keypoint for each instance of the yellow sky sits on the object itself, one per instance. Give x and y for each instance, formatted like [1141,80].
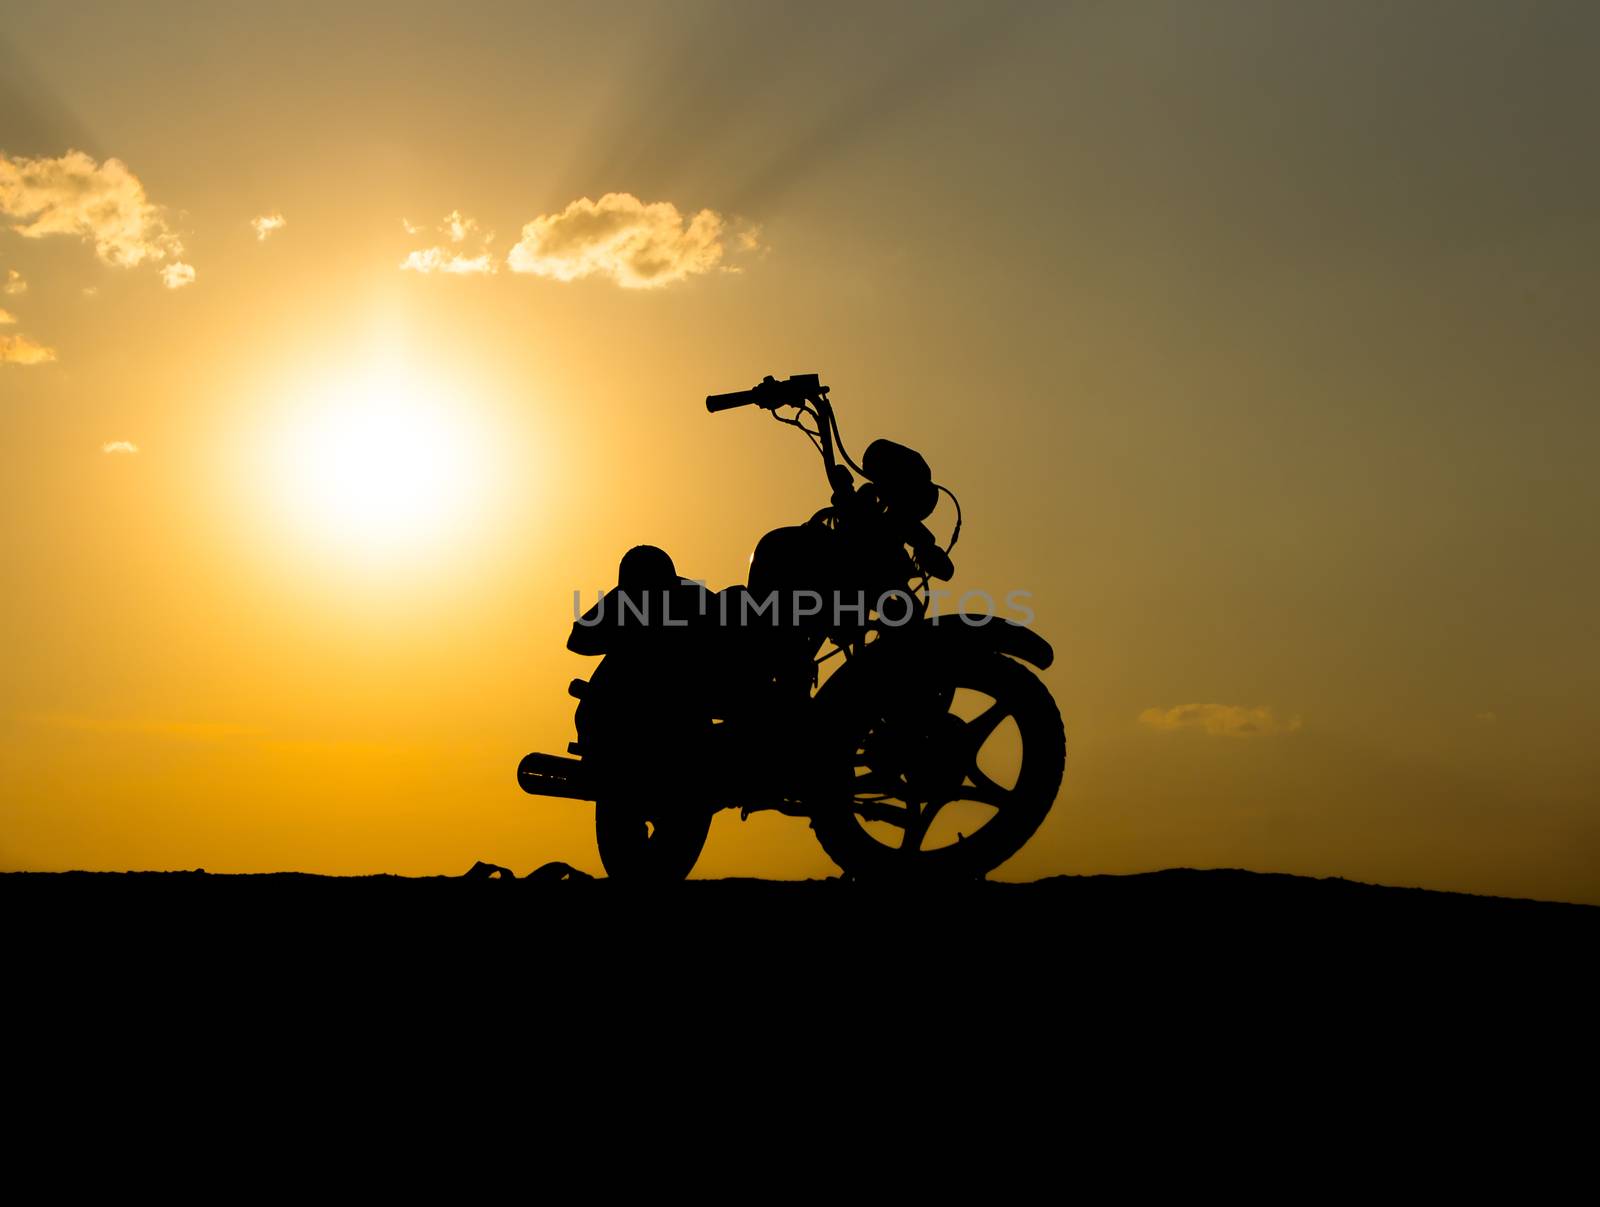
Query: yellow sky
[1255,339]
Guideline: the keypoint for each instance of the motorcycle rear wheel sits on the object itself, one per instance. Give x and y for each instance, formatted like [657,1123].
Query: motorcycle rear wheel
[910,755]
[641,845]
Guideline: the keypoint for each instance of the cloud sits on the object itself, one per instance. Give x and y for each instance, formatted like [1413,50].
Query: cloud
[637,245]
[456,228]
[1219,720]
[103,204]
[7,318]
[177,274]
[438,259]
[14,282]
[411,228]
[20,350]
[266,224]
[119,446]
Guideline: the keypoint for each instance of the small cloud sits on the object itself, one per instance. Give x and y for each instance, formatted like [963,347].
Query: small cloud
[20,350]
[438,259]
[749,239]
[455,228]
[102,203]
[91,291]
[266,224]
[7,318]
[1219,720]
[14,282]
[177,274]
[411,228]
[1486,718]
[638,245]
[119,446]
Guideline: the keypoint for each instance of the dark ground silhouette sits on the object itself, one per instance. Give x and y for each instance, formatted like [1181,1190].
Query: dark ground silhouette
[540,987]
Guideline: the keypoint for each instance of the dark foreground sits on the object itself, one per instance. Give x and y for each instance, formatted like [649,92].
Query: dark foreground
[542,988]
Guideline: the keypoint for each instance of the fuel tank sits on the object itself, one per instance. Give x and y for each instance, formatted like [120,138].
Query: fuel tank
[803,557]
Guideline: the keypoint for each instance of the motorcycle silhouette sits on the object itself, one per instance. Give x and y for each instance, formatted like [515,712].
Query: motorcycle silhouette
[931,751]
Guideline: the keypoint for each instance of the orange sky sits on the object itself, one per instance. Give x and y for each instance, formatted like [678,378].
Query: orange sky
[1252,336]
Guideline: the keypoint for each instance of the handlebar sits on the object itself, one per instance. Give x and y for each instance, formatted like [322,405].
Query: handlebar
[770,394]
[726,402]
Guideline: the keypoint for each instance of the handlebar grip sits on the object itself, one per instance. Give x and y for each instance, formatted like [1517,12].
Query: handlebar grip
[726,402]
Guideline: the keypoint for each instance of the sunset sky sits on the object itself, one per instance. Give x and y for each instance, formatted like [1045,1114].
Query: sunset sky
[341,343]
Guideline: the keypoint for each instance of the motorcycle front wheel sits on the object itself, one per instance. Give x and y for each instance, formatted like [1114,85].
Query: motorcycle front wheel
[645,846]
[949,774]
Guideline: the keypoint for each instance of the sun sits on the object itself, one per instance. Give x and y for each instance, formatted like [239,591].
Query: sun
[380,460]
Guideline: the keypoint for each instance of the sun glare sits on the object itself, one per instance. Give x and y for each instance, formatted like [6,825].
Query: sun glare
[383,461]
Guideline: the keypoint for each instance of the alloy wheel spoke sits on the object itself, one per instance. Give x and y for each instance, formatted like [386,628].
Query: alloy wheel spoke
[921,817]
[881,783]
[881,809]
[982,726]
[981,788]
